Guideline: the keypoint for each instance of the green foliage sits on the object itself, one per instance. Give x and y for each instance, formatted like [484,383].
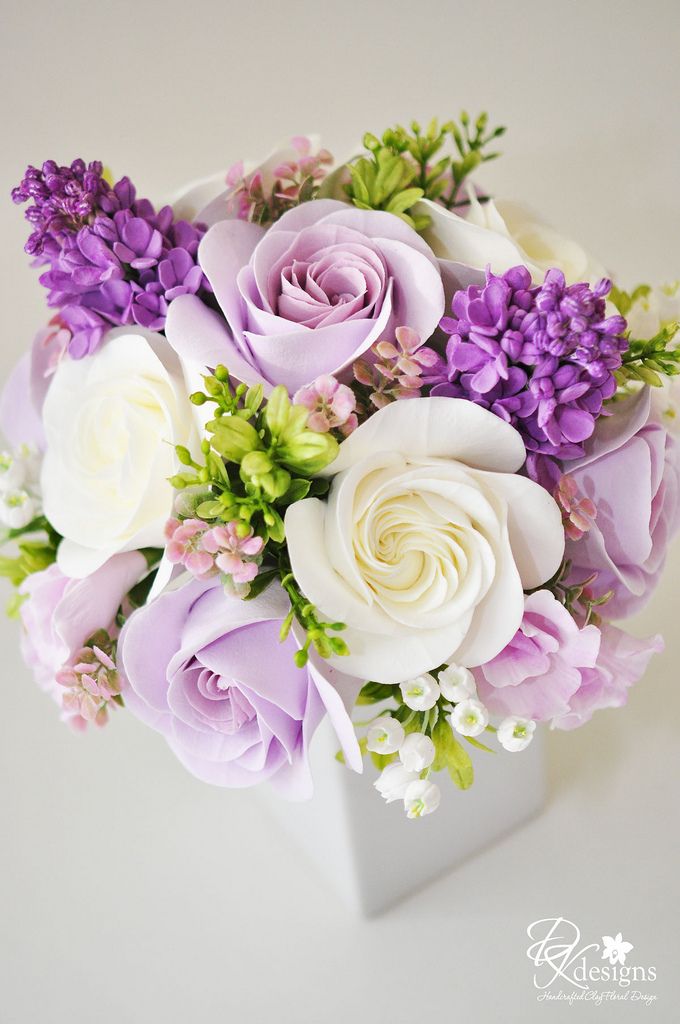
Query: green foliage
[450,755]
[406,165]
[35,547]
[648,362]
[624,301]
[259,456]
[317,631]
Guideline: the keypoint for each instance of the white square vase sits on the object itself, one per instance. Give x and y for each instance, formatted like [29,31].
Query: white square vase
[347,829]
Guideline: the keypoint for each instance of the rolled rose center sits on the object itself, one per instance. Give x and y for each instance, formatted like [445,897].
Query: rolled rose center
[212,700]
[424,546]
[330,285]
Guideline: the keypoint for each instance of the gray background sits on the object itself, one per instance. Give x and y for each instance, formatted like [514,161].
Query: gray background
[132,893]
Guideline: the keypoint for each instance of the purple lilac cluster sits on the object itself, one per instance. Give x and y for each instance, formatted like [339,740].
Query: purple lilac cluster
[112,259]
[542,358]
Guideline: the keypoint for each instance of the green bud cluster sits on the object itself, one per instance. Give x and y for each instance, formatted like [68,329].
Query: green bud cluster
[406,165]
[317,632]
[259,456]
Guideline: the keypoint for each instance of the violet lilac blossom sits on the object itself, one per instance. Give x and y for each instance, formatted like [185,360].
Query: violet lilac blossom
[542,358]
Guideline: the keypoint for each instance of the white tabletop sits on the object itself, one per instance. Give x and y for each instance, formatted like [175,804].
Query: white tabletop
[132,893]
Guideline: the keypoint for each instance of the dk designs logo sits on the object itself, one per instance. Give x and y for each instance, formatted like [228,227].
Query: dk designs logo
[572,971]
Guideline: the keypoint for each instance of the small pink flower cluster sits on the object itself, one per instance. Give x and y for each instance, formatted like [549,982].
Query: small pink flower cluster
[332,405]
[398,370]
[578,513]
[91,681]
[254,199]
[230,548]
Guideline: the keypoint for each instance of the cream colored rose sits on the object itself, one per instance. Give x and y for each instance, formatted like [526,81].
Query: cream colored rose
[503,234]
[427,539]
[111,421]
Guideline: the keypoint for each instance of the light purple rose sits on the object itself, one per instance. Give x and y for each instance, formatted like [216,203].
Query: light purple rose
[208,671]
[622,661]
[631,472]
[538,673]
[308,296]
[60,614]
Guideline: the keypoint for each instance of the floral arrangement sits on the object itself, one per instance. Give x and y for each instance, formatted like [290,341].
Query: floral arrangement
[315,437]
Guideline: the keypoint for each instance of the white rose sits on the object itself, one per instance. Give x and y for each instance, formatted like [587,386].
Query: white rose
[111,421]
[427,539]
[502,234]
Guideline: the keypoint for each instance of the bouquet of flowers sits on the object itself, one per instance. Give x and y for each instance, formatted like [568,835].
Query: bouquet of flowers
[317,436]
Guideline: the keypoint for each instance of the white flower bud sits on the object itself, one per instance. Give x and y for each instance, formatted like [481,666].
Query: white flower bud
[417,752]
[421,798]
[421,693]
[393,782]
[469,718]
[12,472]
[385,736]
[457,683]
[515,733]
[17,509]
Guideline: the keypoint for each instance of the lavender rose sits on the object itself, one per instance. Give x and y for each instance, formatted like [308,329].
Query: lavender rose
[631,472]
[308,296]
[208,672]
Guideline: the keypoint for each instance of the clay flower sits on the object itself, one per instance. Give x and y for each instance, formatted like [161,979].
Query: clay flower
[332,405]
[307,296]
[111,421]
[631,474]
[209,672]
[427,539]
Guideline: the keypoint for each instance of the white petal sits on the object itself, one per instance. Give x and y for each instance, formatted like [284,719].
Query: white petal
[534,525]
[318,580]
[454,238]
[384,659]
[450,428]
[497,618]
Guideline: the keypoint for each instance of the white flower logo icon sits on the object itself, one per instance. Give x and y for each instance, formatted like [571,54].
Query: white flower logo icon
[615,949]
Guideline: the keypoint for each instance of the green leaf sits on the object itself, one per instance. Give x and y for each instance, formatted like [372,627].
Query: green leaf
[297,490]
[404,200]
[372,693]
[382,760]
[451,755]
[480,746]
